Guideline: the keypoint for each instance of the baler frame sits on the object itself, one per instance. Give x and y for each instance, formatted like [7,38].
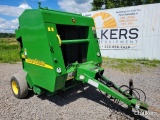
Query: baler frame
[47,61]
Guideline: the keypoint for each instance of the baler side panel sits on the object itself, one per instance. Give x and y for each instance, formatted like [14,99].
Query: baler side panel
[56,53]
[35,42]
[93,48]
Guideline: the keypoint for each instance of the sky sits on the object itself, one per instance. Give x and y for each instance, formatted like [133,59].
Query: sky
[10,10]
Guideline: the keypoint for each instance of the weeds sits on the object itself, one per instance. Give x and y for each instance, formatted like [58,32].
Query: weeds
[9,50]
[130,65]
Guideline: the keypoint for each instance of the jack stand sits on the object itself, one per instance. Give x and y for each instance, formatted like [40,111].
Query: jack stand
[130,91]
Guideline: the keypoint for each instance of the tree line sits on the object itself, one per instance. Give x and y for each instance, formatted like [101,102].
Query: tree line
[7,35]
[107,4]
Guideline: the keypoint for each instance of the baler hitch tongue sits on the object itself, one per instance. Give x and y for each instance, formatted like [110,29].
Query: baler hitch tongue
[95,78]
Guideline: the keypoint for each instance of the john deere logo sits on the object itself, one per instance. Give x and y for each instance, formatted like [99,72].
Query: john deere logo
[104,20]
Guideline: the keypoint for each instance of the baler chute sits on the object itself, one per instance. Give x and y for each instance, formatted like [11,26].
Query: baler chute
[58,51]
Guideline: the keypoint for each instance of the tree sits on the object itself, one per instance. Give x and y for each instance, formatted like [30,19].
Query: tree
[7,35]
[97,4]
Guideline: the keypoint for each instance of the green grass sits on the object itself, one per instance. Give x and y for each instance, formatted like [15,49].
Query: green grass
[130,65]
[9,50]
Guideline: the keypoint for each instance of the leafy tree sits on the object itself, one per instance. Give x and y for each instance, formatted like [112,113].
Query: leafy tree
[97,4]
[7,35]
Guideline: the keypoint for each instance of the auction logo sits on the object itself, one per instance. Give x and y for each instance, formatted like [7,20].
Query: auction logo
[104,20]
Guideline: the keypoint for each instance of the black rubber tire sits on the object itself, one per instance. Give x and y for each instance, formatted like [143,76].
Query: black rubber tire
[19,85]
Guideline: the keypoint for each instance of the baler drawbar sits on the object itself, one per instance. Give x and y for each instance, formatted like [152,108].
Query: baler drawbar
[90,73]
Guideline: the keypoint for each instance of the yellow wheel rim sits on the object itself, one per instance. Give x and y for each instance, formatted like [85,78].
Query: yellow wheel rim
[14,87]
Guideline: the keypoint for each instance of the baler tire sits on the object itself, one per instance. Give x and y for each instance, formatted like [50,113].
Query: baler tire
[19,85]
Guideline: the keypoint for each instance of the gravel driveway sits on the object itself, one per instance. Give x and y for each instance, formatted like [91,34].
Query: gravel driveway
[77,103]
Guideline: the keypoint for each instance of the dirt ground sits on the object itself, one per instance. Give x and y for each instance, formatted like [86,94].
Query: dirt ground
[77,103]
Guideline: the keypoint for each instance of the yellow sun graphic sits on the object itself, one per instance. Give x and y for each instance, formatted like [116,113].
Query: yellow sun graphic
[104,20]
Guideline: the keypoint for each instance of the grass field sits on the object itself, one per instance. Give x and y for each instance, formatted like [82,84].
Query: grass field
[9,53]
[9,50]
[130,65]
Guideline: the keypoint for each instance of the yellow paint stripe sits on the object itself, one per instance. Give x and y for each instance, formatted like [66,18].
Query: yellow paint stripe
[48,66]
[49,29]
[52,29]
[38,63]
